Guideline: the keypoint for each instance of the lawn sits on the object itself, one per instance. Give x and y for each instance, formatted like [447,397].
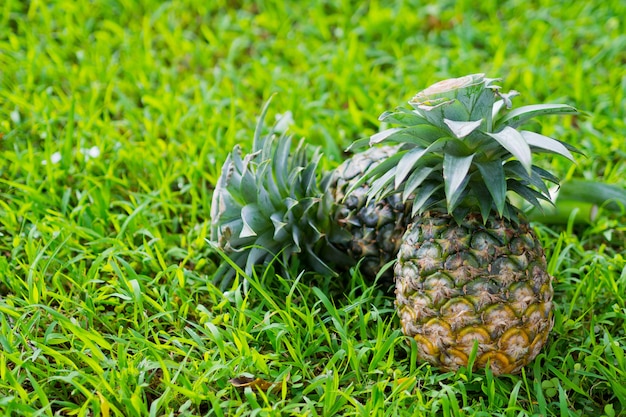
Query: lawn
[115,118]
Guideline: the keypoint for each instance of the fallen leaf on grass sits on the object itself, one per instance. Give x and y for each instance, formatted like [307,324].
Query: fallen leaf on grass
[258,383]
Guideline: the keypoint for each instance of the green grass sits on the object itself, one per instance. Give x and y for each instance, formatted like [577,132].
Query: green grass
[115,117]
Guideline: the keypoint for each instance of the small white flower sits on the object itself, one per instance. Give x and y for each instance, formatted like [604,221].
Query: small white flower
[93,152]
[15,116]
[55,158]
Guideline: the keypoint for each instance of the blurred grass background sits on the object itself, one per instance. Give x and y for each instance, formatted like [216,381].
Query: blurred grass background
[115,117]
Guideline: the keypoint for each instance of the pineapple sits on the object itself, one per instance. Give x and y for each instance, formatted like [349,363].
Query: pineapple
[374,229]
[270,204]
[471,279]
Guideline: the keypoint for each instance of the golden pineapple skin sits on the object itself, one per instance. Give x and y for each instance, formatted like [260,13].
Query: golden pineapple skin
[457,285]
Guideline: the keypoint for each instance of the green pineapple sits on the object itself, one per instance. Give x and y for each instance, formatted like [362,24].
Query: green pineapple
[271,203]
[371,232]
[470,272]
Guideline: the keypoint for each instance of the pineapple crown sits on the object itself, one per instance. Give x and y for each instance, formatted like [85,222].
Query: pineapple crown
[463,150]
[268,205]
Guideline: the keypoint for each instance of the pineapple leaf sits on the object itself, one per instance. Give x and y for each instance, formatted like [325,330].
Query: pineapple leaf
[497,106]
[280,227]
[266,243]
[248,186]
[572,148]
[265,201]
[358,144]
[482,107]
[309,176]
[380,187]
[483,194]
[422,195]
[225,174]
[455,169]
[415,179]
[493,176]
[454,146]
[290,203]
[262,169]
[455,110]
[421,135]
[218,202]
[281,162]
[414,159]
[377,171]
[256,254]
[318,264]
[506,98]
[229,208]
[236,158]
[406,164]
[548,176]
[306,205]
[463,150]
[296,233]
[459,214]
[257,143]
[458,197]
[527,193]
[515,168]
[246,231]
[462,129]
[299,157]
[293,179]
[272,188]
[547,143]
[402,116]
[381,136]
[268,143]
[522,114]
[514,142]
[253,221]
[231,232]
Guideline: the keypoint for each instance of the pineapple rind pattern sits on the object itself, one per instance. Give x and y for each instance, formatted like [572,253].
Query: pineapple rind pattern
[371,231]
[481,286]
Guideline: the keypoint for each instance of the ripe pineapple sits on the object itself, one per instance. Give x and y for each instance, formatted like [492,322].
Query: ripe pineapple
[271,203]
[470,273]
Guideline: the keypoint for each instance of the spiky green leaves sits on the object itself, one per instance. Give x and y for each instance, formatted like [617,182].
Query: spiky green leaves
[465,99]
[267,205]
[463,150]
[515,144]
[455,174]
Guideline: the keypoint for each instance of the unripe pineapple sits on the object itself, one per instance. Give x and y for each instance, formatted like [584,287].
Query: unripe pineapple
[374,228]
[471,273]
[270,204]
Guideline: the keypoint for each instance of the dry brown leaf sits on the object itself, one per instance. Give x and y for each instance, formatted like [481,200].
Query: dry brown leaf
[255,383]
